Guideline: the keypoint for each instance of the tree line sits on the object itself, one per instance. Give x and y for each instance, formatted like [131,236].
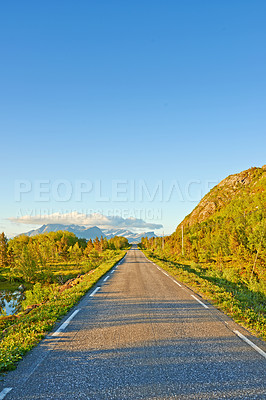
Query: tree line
[29,257]
[234,239]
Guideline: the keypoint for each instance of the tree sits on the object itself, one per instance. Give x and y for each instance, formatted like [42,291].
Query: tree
[102,244]
[63,248]
[105,244]
[3,251]
[26,264]
[75,252]
[89,248]
[97,244]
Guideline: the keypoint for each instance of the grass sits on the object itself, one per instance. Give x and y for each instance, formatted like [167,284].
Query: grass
[9,286]
[54,272]
[245,305]
[22,332]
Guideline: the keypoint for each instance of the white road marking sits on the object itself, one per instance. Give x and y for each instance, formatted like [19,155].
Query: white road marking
[64,325]
[204,305]
[95,290]
[105,279]
[165,273]
[4,392]
[177,283]
[112,271]
[259,350]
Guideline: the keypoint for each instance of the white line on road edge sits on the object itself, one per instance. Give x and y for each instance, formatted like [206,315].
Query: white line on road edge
[95,290]
[204,305]
[250,343]
[112,271]
[105,279]
[177,283]
[4,392]
[165,273]
[64,325]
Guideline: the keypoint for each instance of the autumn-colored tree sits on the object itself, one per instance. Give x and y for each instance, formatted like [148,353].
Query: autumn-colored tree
[89,248]
[97,244]
[102,244]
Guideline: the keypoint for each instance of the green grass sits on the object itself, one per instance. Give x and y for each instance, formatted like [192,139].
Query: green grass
[53,272]
[245,304]
[9,286]
[20,333]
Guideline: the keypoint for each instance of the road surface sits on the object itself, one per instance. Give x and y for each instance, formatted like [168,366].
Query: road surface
[139,334]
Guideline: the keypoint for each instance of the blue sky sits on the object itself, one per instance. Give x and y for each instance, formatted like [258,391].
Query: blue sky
[153,94]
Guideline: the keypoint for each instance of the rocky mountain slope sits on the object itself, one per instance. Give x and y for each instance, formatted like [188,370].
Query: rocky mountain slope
[228,225]
[250,183]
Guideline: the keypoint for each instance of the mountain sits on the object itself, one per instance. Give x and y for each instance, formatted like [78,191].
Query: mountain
[90,233]
[78,230]
[132,237]
[228,224]
[247,187]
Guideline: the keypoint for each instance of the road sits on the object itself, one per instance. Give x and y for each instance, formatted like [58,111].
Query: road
[141,335]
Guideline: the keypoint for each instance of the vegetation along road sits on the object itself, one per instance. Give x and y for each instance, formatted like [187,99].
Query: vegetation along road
[140,334]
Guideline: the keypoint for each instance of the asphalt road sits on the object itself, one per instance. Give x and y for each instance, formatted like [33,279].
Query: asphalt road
[141,336]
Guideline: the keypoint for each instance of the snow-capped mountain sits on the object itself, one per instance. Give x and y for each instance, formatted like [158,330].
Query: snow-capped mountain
[132,237]
[91,232]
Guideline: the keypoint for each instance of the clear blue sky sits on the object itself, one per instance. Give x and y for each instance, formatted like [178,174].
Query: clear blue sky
[159,91]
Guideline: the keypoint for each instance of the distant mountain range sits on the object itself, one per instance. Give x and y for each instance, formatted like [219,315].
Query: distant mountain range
[90,233]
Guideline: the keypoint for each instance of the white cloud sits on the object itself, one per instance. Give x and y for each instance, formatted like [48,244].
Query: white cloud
[100,220]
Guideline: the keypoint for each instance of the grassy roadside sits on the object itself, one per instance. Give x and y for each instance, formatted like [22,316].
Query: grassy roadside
[22,332]
[246,307]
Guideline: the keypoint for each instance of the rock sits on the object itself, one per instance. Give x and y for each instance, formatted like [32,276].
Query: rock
[21,288]
[30,308]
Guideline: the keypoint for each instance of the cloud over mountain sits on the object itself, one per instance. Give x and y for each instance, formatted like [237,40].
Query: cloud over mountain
[88,220]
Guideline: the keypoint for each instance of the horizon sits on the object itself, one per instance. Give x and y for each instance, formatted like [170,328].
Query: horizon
[105,232]
[96,220]
[126,114]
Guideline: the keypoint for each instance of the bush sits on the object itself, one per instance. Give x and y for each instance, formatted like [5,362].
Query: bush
[39,294]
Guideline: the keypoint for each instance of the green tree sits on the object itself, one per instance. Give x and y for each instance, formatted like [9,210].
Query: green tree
[26,264]
[102,244]
[63,248]
[3,251]
[75,252]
